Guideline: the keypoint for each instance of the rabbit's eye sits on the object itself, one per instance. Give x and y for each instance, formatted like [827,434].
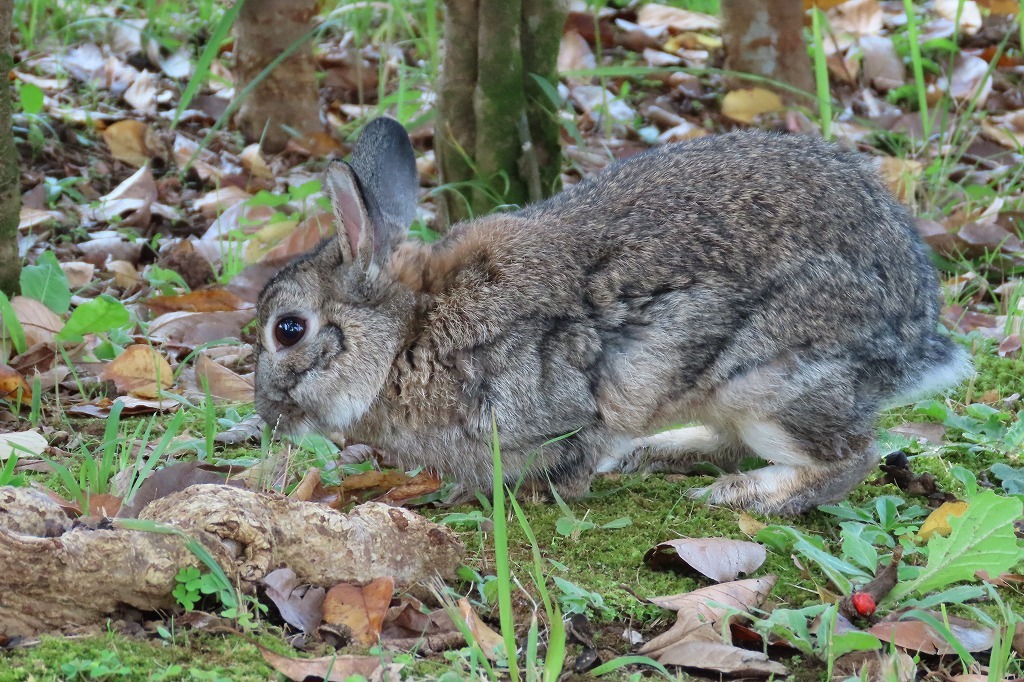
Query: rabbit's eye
[289,330]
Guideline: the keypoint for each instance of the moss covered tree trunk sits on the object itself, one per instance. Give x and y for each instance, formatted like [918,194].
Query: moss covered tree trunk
[286,102]
[10,185]
[496,124]
[764,37]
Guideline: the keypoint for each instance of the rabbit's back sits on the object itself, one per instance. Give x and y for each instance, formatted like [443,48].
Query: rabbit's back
[708,258]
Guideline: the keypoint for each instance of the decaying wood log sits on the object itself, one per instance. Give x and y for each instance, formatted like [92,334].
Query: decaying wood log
[58,576]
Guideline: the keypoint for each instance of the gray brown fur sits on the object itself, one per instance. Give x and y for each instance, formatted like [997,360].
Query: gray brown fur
[768,287]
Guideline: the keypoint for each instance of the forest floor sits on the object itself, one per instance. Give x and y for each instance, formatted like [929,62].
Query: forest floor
[149,227]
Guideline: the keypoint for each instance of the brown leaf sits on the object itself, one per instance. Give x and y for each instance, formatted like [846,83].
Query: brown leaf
[139,370]
[222,382]
[39,322]
[304,237]
[419,485]
[876,666]
[220,199]
[748,524]
[133,407]
[411,619]
[361,609]
[970,79]
[490,642]
[301,606]
[203,301]
[720,559]
[130,141]
[720,657]
[307,486]
[104,506]
[171,479]
[574,53]
[858,17]
[135,195]
[79,273]
[11,382]
[695,609]
[746,104]
[195,329]
[32,217]
[1009,346]
[329,668]
[915,635]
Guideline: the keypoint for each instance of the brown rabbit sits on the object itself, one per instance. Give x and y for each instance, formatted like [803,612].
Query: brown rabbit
[767,287]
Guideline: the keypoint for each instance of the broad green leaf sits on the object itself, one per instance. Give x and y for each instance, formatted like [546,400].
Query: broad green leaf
[101,314]
[982,539]
[47,283]
[31,98]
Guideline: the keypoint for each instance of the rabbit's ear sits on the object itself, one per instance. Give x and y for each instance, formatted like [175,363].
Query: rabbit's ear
[374,198]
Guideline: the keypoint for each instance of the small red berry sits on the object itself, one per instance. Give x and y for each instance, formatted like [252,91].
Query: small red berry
[864,603]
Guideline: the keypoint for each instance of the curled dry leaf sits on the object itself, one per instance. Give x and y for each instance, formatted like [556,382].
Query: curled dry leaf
[490,642]
[883,67]
[938,520]
[969,14]
[79,273]
[915,635]
[857,17]
[707,605]
[195,329]
[31,217]
[203,301]
[676,19]
[574,53]
[139,370]
[137,193]
[720,559]
[21,443]
[327,668]
[216,201]
[304,237]
[969,80]
[222,382]
[721,658]
[301,606]
[1010,346]
[253,161]
[132,141]
[928,431]
[11,382]
[746,104]
[360,609]
[39,323]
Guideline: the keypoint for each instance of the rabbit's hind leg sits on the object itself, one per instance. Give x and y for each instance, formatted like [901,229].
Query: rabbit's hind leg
[678,450]
[795,480]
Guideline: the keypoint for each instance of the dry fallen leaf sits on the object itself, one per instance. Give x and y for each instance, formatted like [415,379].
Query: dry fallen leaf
[749,525]
[21,443]
[938,520]
[131,141]
[720,559]
[222,382]
[490,642]
[202,301]
[335,668]
[676,19]
[970,15]
[360,609]
[301,606]
[102,505]
[139,370]
[11,382]
[916,635]
[928,431]
[857,17]
[79,273]
[746,104]
[721,658]
[39,323]
[707,605]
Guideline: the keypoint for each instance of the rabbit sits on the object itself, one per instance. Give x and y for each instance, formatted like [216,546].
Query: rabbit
[767,287]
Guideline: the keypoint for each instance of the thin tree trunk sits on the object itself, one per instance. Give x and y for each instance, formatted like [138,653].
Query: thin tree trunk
[455,130]
[541,36]
[764,37]
[10,181]
[286,102]
[496,124]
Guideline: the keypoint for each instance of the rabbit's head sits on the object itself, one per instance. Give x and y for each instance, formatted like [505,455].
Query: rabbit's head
[330,323]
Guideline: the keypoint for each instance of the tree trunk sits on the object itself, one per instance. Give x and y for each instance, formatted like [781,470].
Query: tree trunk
[496,125]
[286,102]
[10,180]
[764,37]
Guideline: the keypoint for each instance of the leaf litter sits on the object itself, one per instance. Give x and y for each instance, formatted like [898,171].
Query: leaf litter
[134,214]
